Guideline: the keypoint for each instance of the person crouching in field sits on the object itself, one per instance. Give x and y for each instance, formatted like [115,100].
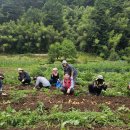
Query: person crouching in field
[97,86]
[24,77]
[67,85]
[54,77]
[1,84]
[128,87]
[41,82]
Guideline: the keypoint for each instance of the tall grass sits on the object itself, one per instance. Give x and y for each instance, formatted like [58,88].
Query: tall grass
[83,58]
[20,60]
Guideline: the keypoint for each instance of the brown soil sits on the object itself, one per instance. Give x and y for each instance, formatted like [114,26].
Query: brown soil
[5,69]
[81,102]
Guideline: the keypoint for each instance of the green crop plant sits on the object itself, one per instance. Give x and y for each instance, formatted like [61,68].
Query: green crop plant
[17,95]
[88,119]
[85,118]
[56,108]
[40,107]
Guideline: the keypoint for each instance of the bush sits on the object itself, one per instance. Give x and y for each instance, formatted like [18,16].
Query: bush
[114,56]
[64,50]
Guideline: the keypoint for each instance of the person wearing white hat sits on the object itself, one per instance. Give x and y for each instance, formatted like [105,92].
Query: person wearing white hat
[54,76]
[100,77]
[64,62]
[97,86]
[24,77]
[20,69]
[69,69]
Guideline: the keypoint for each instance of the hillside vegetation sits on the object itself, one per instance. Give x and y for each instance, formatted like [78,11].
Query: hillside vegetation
[101,27]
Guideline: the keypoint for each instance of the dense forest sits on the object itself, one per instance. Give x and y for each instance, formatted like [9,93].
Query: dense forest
[100,27]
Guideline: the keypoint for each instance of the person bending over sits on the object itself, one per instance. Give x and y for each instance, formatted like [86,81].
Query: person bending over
[24,77]
[1,84]
[41,82]
[69,69]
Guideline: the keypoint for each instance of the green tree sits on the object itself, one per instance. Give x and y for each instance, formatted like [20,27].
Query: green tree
[68,49]
[71,20]
[34,15]
[64,50]
[87,39]
[54,51]
[25,36]
[54,13]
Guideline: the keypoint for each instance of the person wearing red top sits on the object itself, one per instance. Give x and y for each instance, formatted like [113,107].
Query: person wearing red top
[67,85]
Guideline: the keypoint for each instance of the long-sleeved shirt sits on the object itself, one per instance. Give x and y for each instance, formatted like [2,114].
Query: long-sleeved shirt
[98,84]
[42,80]
[24,76]
[1,85]
[69,69]
[54,78]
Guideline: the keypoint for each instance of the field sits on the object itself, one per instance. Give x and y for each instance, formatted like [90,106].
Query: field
[48,109]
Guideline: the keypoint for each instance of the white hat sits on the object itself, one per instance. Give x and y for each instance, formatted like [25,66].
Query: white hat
[64,62]
[2,76]
[55,69]
[99,77]
[20,69]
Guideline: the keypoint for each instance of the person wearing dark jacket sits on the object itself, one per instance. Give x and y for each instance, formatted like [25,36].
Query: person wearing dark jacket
[97,86]
[54,77]
[23,76]
[1,83]
[69,69]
